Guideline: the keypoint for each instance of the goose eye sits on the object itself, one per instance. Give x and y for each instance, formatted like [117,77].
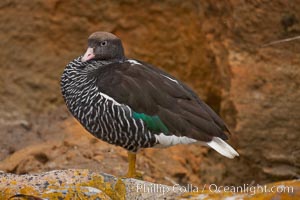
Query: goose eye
[104,43]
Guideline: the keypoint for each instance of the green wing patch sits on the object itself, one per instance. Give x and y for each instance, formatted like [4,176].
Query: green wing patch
[153,123]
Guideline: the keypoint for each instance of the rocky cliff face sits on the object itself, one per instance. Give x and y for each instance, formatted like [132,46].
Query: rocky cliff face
[216,47]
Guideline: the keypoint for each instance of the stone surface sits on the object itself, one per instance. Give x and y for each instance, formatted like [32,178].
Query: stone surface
[80,184]
[214,46]
[85,184]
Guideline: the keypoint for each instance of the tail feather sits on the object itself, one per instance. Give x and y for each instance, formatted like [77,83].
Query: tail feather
[222,147]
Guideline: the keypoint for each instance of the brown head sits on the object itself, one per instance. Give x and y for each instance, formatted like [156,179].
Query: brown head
[103,46]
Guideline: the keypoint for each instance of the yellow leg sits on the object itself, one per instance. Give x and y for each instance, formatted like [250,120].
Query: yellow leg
[131,165]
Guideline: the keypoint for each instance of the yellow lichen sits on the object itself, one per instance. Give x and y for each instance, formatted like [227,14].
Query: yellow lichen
[115,192]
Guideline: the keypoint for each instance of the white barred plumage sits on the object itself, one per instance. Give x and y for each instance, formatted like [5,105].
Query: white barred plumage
[99,113]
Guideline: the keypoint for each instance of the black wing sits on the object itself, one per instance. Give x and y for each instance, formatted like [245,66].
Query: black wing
[149,90]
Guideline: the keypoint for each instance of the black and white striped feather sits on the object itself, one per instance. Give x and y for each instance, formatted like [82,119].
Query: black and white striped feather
[98,113]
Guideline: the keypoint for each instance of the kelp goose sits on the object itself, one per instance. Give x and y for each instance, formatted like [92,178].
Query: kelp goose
[133,104]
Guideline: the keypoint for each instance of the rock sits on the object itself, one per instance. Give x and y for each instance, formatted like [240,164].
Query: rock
[80,184]
[84,184]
